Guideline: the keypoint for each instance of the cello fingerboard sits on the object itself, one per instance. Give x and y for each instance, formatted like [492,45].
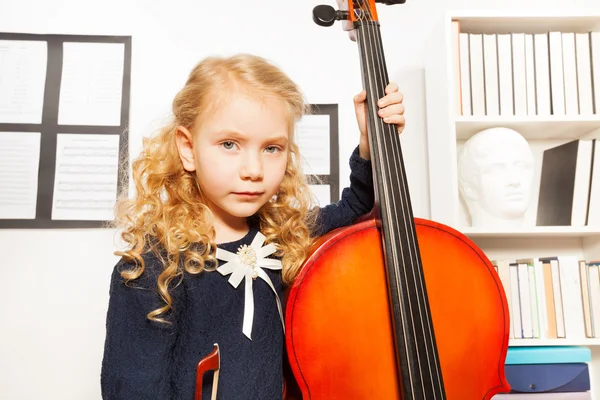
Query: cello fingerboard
[417,356]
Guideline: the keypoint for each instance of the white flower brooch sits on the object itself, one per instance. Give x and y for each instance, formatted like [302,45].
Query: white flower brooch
[248,263]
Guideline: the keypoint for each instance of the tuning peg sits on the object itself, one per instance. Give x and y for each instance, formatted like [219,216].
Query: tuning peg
[325,15]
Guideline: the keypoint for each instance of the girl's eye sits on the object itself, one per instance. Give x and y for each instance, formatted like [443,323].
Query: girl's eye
[272,149]
[228,145]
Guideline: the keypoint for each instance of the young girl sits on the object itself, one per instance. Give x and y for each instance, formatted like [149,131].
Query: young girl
[221,222]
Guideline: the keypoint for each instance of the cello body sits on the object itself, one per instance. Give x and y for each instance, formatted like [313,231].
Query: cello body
[393,307]
[339,337]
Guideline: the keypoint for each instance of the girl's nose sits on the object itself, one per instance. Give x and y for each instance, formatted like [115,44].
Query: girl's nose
[252,168]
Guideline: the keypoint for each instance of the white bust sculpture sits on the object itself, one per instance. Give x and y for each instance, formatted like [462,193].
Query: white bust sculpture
[495,174]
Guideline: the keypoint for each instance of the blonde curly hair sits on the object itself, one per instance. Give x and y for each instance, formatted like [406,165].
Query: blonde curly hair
[168,217]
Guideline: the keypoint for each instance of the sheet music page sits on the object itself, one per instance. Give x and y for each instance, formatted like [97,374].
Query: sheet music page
[312,136]
[85,184]
[91,84]
[19,166]
[322,193]
[22,81]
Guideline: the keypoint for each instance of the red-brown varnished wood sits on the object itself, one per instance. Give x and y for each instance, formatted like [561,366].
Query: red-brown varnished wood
[212,362]
[338,331]
[367,5]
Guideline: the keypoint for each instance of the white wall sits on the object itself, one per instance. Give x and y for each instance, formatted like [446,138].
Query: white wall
[55,283]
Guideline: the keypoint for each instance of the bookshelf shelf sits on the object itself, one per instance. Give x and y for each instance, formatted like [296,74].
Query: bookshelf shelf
[543,121]
[535,231]
[555,342]
[534,21]
[534,127]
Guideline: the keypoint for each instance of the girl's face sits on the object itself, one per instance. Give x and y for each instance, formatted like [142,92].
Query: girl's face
[240,154]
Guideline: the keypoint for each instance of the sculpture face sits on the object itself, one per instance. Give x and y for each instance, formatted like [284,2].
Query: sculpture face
[495,176]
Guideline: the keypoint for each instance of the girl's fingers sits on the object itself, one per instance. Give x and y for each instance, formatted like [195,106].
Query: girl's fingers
[391,110]
[395,97]
[391,88]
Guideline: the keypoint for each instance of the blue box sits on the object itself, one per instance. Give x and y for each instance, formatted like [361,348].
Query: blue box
[543,378]
[548,355]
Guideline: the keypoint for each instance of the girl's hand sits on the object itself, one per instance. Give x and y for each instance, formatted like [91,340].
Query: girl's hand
[390,108]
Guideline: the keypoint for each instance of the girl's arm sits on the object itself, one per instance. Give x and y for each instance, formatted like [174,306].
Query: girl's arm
[137,351]
[356,200]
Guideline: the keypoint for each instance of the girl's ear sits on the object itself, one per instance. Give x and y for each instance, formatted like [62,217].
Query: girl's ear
[185,146]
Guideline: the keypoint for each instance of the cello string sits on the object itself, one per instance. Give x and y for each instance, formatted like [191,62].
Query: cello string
[381,67]
[434,373]
[392,213]
[385,187]
[392,209]
[390,144]
[410,228]
[416,266]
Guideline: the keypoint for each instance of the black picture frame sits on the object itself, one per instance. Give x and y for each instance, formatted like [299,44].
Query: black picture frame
[333,178]
[49,128]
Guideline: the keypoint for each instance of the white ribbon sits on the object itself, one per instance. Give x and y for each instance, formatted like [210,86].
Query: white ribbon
[248,263]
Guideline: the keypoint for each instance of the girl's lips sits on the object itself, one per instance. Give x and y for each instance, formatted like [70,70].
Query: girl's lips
[248,194]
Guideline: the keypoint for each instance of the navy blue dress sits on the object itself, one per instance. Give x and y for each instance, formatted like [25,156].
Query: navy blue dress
[147,360]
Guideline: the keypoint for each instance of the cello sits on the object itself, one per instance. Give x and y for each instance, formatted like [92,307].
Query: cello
[393,306]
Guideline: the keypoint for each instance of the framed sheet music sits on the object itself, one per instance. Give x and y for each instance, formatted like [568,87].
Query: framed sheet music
[64,111]
[318,138]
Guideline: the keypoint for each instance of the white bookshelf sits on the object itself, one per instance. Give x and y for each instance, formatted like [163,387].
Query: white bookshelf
[447,131]
[589,342]
[534,231]
[535,127]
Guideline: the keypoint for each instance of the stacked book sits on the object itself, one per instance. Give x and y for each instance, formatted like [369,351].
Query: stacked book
[519,73]
[551,297]
[570,185]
